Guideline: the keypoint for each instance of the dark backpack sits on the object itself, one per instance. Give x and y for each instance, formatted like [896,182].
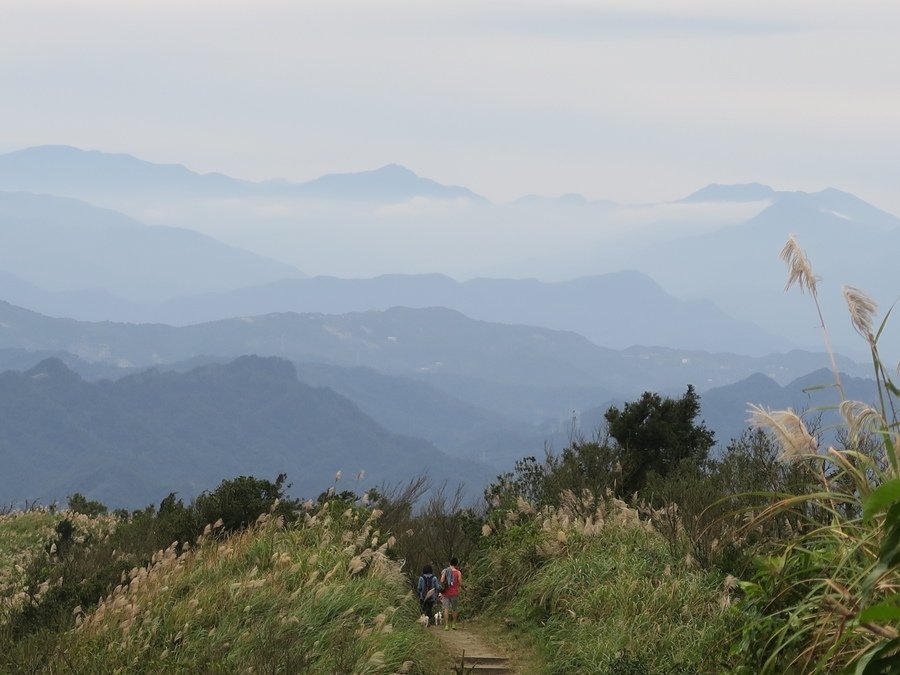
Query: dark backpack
[428,583]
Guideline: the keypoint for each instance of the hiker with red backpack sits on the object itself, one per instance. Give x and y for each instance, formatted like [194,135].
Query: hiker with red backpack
[451,582]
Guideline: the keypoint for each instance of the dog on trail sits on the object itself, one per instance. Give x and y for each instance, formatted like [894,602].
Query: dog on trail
[423,619]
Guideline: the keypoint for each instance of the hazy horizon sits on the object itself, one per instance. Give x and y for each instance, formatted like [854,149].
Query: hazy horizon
[640,103]
[621,101]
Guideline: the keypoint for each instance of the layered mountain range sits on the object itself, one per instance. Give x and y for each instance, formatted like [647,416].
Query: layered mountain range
[111,264]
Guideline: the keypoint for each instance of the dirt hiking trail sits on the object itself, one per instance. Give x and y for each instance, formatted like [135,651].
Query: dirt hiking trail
[480,655]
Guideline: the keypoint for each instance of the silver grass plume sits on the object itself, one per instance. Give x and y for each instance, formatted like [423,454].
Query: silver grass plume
[789,429]
[800,273]
[799,270]
[862,310]
[860,417]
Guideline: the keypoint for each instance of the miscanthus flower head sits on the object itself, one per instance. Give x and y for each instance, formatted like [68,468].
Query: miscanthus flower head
[788,428]
[799,270]
[862,310]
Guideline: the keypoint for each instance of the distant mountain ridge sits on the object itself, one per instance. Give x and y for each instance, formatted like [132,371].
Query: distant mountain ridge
[725,408]
[68,171]
[615,310]
[830,200]
[132,441]
[517,370]
[391,181]
[714,253]
[63,170]
[846,240]
[416,408]
[68,246]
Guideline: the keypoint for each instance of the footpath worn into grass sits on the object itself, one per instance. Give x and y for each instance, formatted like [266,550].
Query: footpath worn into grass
[474,647]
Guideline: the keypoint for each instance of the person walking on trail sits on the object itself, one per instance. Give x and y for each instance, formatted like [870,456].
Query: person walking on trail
[451,582]
[428,588]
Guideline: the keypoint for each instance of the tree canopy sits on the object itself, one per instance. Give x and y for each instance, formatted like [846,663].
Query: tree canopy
[655,434]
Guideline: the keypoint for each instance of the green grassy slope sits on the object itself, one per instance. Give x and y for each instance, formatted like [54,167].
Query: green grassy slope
[317,596]
[598,592]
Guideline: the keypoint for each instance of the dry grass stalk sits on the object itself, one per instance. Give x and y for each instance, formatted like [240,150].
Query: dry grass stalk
[800,272]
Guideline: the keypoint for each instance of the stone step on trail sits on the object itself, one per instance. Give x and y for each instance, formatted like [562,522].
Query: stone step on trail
[497,665]
[478,655]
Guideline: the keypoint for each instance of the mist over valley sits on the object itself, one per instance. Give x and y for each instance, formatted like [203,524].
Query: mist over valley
[134,273]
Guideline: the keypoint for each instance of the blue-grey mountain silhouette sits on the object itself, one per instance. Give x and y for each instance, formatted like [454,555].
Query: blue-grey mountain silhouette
[64,245]
[132,441]
[93,175]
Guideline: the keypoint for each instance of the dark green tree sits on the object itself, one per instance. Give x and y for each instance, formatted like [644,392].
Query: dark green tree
[655,434]
[527,480]
[89,507]
[240,501]
[582,468]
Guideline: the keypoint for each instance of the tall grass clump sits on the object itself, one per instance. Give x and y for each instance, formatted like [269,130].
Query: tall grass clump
[22,536]
[29,539]
[84,553]
[320,595]
[826,598]
[598,589]
[38,585]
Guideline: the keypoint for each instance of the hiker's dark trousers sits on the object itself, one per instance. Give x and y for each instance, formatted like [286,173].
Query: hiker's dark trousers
[428,610]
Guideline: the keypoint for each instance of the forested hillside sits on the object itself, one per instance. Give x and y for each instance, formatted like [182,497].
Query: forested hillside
[131,441]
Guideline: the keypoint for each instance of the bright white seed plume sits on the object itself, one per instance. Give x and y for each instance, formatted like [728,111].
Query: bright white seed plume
[789,429]
[862,310]
[860,417]
[799,270]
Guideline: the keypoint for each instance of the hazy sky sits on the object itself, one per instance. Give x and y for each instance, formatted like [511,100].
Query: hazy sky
[628,100]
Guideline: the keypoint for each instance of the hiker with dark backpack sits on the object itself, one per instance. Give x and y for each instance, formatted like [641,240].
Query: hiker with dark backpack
[451,581]
[428,588]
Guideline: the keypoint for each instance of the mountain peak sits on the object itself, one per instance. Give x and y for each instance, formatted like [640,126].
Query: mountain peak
[396,170]
[391,182]
[68,171]
[847,205]
[53,369]
[50,150]
[830,203]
